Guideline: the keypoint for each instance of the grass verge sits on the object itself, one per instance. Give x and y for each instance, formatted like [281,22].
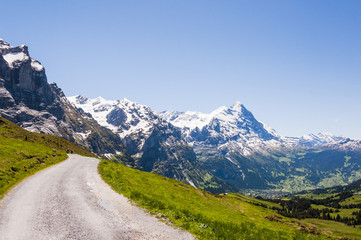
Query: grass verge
[24,153]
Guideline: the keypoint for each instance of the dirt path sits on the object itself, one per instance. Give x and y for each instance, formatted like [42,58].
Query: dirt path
[71,201]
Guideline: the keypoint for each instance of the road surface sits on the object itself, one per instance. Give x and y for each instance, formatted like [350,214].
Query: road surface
[71,201]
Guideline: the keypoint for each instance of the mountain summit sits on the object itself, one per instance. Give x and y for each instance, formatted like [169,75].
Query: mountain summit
[227,127]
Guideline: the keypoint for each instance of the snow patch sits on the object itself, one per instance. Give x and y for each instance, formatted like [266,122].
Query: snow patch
[11,58]
[36,65]
[84,135]
[108,155]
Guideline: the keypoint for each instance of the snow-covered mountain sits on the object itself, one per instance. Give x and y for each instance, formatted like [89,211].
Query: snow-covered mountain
[190,120]
[314,140]
[236,126]
[132,121]
[345,144]
[227,128]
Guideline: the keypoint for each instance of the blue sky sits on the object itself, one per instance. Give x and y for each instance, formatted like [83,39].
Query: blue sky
[295,64]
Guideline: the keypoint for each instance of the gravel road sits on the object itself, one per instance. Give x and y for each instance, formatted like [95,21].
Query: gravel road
[71,201]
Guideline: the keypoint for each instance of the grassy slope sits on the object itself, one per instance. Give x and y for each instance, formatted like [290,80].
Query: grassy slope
[205,215]
[23,153]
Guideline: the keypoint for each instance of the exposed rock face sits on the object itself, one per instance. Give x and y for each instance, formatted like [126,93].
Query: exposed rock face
[117,117]
[22,82]
[27,99]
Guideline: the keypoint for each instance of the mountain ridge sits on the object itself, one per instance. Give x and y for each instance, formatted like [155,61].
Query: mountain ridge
[236,148]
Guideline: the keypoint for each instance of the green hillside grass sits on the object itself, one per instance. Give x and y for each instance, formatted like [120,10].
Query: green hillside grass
[23,153]
[207,216]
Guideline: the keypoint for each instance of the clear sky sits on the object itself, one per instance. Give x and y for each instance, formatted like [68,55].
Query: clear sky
[295,64]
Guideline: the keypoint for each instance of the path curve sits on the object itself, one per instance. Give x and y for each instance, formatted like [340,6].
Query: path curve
[71,201]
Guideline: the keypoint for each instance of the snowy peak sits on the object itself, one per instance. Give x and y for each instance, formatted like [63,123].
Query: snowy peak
[145,134]
[238,106]
[315,140]
[189,119]
[238,123]
[124,117]
[15,56]
[232,120]
[320,139]
[78,99]
[231,129]
[192,119]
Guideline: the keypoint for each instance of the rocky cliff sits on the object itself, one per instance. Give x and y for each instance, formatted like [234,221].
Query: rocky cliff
[27,99]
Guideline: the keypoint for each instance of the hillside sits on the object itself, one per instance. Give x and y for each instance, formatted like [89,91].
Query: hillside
[221,216]
[22,153]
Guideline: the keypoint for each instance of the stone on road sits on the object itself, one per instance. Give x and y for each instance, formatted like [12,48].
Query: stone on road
[71,201]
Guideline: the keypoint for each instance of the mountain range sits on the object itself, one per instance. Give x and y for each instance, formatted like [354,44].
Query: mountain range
[225,150]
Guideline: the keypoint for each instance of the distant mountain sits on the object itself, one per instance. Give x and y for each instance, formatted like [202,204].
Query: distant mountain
[228,129]
[314,140]
[27,99]
[237,148]
[133,122]
[238,125]
[154,144]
